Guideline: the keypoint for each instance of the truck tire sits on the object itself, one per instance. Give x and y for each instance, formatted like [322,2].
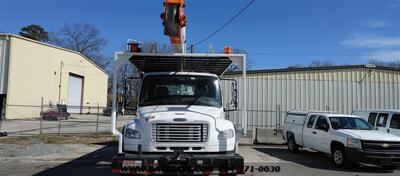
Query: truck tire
[292,146]
[339,157]
[390,167]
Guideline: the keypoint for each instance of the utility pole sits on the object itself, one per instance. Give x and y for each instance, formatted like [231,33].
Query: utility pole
[59,85]
[191,48]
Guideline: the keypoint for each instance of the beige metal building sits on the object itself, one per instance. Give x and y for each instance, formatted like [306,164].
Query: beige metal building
[30,70]
[271,93]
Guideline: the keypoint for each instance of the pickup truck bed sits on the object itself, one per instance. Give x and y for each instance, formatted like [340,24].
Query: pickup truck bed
[294,123]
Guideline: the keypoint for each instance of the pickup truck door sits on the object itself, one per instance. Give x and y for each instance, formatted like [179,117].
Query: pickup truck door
[394,127]
[381,121]
[322,137]
[308,130]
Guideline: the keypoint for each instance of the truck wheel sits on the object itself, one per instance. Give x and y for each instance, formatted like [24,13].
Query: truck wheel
[292,146]
[390,167]
[339,157]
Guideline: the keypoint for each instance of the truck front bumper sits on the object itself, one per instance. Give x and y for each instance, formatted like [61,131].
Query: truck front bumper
[172,164]
[373,157]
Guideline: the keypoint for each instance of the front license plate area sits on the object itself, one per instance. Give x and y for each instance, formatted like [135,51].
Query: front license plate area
[131,164]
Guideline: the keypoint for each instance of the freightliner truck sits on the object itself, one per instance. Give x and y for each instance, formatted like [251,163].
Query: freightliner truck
[180,127]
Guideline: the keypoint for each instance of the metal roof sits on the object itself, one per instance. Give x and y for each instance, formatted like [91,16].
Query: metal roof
[56,47]
[290,69]
[206,63]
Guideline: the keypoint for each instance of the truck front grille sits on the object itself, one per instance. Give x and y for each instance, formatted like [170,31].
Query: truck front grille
[179,132]
[380,146]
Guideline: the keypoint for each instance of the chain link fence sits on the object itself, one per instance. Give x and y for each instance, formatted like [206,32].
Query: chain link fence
[60,119]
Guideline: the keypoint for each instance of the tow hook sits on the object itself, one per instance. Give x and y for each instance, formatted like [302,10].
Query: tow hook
[178,155]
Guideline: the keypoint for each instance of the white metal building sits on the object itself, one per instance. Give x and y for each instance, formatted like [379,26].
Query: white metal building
[271,93]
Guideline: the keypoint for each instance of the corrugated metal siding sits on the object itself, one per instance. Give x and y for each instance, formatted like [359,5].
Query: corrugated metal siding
[271,95]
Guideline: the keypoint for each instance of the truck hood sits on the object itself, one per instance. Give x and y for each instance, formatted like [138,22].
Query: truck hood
[190,113]
[372,135]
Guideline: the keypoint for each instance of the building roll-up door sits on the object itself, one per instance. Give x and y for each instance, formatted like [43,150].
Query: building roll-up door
[75,86]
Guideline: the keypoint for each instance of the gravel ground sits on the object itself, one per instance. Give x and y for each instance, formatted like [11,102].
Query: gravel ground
[44,151]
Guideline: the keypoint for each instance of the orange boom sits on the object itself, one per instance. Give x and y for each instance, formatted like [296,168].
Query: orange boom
[174,22]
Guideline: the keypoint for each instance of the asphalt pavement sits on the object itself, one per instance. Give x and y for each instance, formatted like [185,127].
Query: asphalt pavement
[259,160]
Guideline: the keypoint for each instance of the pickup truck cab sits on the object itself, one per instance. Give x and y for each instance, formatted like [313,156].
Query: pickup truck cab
[382,119]
[348,139]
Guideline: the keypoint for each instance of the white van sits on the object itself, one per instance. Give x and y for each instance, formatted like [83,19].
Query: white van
[381,119]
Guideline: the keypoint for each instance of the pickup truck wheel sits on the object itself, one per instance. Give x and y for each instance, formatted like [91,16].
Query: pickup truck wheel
[339,157]
[292,146]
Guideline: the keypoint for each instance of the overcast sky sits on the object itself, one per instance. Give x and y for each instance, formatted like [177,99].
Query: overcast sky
[275,33]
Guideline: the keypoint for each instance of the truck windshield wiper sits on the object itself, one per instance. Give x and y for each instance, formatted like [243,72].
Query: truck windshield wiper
[194,100]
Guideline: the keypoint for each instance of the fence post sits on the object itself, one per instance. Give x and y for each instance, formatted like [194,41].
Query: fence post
[276,119]
[279,118]
[59,121]
[3,111]
[41,116]
[97,123]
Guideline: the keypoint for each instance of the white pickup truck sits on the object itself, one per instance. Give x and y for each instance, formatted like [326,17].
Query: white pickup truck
[349,139]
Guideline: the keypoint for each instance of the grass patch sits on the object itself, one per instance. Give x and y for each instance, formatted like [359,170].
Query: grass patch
[52,139]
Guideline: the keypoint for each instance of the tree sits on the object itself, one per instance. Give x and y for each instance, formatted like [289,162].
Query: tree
[84,38]
[155,47]
[393,63]
[34,32]
[318,63]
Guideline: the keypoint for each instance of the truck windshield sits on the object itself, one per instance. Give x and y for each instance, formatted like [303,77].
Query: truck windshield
[180,90]
[349,123]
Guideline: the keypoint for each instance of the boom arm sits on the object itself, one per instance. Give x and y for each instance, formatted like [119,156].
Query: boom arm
[174,22]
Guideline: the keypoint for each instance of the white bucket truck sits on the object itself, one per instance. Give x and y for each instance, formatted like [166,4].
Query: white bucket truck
[180,124]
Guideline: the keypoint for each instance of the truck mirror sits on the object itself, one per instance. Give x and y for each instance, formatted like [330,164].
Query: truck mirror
[232,105]
[234,95]
[335,125]
[131,93]
[324,127]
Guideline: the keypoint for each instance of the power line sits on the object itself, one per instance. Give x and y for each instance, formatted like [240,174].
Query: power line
[226,24]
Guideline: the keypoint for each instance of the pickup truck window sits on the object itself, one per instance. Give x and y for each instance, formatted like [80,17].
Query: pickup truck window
[395,122]
[311,121]
[382,118]
[320,123]
[349,123]
[372,118]
[180,90]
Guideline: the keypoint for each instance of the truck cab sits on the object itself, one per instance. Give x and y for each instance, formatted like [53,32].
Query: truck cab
[180,127]
[179,110]
[348,139]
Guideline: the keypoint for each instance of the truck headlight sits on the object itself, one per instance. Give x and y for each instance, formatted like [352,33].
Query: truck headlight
[353,143]
[226,134]
[132,134]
